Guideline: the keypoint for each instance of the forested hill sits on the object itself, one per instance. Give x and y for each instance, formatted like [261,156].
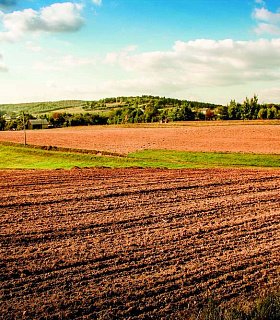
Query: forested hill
[156,101]
[39,107]
[78,106]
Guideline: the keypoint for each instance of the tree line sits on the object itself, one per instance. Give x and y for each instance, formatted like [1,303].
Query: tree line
[249,110]
[55,120]
[147,109]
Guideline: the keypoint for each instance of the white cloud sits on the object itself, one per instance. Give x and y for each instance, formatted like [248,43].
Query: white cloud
[114,88]
[41,66]
[208,69]
[206,62]
[266,15]
[268,22]
[64,63]
[142,85]
[270,95]
[3,68]
[98,2]
[30,45]
[59,17]
[72,61]
[112,57]
[266,28]
[195,68]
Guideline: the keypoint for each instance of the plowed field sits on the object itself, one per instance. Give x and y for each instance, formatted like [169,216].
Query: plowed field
[134,243]
[217,137]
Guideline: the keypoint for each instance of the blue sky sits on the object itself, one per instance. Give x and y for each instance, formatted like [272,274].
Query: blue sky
[206,50]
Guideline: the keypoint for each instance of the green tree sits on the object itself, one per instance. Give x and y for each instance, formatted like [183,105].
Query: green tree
[245,109]
[262,114]
[199,115]
[11,125]
[77,120]
[174,114]
[2,123]
[272,113]
[254,107]
[222,113]
[233,110]
[186,113]
[250,108]
[57,119]
[151,113]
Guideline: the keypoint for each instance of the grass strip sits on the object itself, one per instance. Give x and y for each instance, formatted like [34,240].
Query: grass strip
[211,159]
[16,156]
[29,158]
[62,149]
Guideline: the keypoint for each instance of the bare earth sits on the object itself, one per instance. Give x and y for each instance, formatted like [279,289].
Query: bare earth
[134,243]
[218,137]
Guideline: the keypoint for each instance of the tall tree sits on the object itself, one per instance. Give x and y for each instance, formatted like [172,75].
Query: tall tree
[2,123]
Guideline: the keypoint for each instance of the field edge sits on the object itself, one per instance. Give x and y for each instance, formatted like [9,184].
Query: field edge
[19,156]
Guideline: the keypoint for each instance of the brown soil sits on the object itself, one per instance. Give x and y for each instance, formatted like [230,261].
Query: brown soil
[223,137]
[134,243]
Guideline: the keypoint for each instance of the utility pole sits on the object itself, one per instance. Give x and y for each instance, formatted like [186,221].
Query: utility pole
[24,128]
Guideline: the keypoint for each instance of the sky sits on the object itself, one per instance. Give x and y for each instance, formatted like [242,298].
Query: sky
[203,50]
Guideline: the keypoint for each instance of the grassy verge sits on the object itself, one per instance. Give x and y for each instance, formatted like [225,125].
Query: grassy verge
[211,159]
[16,156]
[20,157]
[29,158]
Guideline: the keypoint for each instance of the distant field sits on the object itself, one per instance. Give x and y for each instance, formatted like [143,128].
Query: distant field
[260,137]
[79,109]
[140,242]
[41,107]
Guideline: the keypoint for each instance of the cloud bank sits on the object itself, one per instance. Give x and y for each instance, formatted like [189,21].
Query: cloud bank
[205,62]
[57,18]
[199,70]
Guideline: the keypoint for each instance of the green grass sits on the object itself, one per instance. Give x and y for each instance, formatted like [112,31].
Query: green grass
[211,159]
[16,156]
[20,157]
[29,158]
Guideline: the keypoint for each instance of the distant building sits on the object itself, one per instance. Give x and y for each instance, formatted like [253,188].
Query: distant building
[38,124]
[10,117]
[204,110]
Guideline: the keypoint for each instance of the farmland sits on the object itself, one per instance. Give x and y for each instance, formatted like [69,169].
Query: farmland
[261,137]
[135,243]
